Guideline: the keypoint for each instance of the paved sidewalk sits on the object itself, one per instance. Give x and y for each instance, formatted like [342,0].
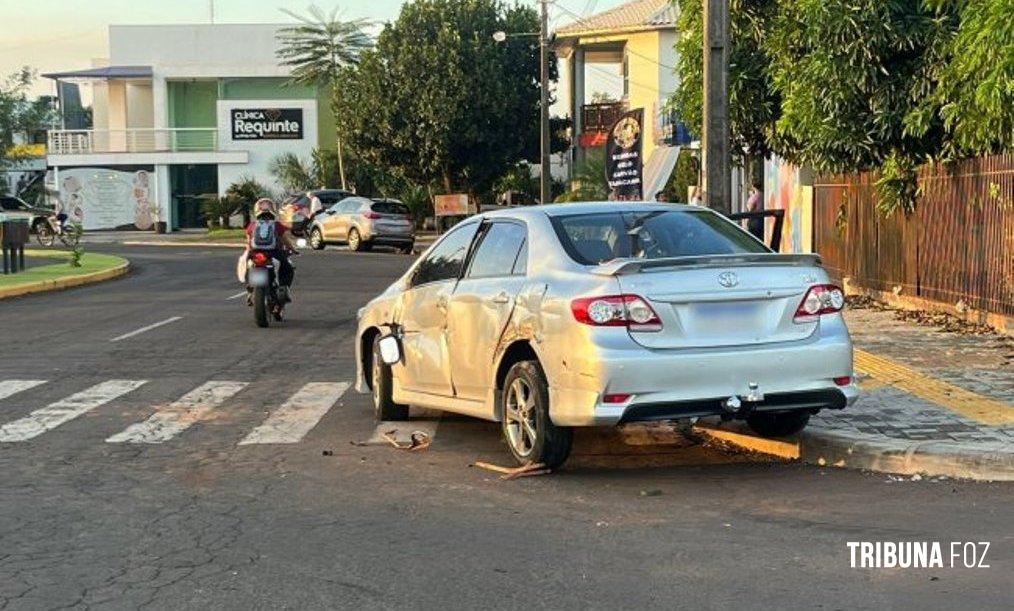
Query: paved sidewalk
[933,403]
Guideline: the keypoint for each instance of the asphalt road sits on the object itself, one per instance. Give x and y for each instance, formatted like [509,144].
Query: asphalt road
[202,520]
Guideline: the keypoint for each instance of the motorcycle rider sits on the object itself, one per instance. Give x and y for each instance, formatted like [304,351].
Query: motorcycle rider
[264,212]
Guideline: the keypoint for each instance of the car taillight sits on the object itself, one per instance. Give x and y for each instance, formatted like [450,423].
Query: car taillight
[371,215]
[259,258]
[843,380]
[820,299]
[629,311]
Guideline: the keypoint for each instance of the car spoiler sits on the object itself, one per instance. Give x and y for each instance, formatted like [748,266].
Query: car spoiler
[619,267]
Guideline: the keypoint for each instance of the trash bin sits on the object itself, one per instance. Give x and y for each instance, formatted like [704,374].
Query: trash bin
[14,235]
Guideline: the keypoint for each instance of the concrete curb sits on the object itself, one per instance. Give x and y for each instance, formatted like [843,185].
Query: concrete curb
[65,283]
[827,449]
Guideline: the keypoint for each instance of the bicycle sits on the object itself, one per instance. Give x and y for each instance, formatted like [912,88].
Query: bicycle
[47,231]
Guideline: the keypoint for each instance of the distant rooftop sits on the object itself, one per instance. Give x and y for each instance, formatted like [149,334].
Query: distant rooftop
[636,15]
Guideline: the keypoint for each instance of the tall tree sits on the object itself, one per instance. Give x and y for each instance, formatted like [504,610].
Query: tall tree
[754,105]
[972,77]
[439,100]
[19,115]
[319,48]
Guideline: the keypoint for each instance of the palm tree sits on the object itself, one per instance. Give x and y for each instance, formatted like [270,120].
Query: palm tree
[318,48]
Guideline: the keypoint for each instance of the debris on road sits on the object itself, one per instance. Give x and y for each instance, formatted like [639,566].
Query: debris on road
[327,453]
[419,440]
[514,472]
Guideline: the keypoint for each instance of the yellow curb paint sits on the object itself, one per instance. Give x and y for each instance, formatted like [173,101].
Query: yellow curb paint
[774,447]
[64,283]
[964,402]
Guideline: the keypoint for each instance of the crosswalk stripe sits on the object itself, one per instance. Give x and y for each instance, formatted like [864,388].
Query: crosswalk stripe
[13,387]
[173,419]
[297,416]
[64,410]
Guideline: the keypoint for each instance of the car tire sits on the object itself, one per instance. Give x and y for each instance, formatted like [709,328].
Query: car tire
[525,399]
[316,239]
[778,424]
[406,250]
[384,407]
[355,241]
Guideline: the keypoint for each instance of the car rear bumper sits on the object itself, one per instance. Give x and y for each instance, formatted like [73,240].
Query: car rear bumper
[671,384]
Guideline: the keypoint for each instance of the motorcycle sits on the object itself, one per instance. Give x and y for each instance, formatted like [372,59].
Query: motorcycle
[266,295]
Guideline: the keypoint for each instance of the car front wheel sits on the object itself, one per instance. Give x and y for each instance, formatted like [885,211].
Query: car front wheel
[530,434]
[316,239]
[778,424]
[384,407]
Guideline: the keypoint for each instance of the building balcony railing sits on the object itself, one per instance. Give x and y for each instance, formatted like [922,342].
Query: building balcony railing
[136,140]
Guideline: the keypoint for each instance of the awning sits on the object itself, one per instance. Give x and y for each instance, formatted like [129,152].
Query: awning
[659,168]
[104,72]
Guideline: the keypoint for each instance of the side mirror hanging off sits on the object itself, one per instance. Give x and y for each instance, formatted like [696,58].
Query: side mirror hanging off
[390,351]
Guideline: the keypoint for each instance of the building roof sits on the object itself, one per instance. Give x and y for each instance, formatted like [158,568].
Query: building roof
[104,72]
[636,15]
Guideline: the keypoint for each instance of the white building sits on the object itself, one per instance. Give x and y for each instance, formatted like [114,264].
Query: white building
[181,111]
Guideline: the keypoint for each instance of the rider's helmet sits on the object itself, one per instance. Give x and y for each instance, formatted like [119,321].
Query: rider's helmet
[264,208]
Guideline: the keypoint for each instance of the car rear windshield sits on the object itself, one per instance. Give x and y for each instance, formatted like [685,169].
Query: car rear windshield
[594,238]
[390,208]
[331,197]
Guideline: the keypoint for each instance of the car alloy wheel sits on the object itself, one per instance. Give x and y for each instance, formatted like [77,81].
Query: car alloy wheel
[316,239]
[522,423]
[354,240]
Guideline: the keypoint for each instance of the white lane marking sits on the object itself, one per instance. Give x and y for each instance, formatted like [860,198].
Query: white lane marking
[236,296]
[148,328]
[13,387]
[171,420]
[297,416]
[64,410]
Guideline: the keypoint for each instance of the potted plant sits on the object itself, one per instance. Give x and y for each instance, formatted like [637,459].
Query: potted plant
[156,215]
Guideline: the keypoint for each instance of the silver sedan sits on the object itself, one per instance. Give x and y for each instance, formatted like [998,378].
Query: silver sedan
[553,317]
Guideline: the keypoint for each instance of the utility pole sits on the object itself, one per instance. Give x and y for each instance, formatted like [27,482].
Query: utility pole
[545,180]
[717,173]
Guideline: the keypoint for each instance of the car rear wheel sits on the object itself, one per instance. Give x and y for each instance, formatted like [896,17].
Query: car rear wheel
[778,424]
[384,407]
[355,240]
[316,239]
[407,249]
[530,434]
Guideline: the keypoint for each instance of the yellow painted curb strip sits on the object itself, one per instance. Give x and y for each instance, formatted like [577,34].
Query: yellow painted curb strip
[65,283]
[774,447]
[964,402]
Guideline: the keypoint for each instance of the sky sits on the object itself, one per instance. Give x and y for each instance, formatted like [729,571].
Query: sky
[55,35]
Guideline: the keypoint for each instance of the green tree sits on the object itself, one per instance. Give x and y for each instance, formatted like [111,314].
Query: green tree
[754,104]
[439,101]
[972,77]
[19,116]
[318,48]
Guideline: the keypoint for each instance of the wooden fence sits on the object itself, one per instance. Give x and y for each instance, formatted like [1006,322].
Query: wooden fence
[957,246]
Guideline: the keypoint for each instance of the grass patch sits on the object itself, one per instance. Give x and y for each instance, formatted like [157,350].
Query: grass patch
[90,262]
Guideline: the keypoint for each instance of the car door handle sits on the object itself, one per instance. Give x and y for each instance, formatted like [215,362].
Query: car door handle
[501,297]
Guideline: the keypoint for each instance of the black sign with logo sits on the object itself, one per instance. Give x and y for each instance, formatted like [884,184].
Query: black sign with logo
[623,156]
[267,123]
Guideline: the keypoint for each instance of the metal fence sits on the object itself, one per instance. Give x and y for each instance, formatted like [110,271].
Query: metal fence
[957,246]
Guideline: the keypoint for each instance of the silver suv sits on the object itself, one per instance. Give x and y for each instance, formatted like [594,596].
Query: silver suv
[553,317]
[363,223]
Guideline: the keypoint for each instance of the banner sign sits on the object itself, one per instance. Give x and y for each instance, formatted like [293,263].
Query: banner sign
[100,198]
[623,156]
[455,204]
[267,123]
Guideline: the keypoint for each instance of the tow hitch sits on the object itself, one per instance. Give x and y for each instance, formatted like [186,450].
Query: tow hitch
[742,406]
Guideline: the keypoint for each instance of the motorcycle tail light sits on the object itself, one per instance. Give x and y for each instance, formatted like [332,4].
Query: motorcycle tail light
[259,258]
[631,311]
[819,299]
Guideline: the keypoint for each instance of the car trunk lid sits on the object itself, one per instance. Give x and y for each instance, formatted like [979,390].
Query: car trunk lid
[722,300]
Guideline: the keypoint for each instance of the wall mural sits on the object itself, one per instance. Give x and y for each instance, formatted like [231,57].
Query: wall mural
[108,199]
[784,191]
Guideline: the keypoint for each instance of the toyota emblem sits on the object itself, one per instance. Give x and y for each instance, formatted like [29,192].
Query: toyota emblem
[728,279]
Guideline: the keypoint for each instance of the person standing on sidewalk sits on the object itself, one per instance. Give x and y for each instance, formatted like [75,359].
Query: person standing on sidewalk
[755,225]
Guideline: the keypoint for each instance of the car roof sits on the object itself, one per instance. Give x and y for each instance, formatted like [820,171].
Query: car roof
[565,209]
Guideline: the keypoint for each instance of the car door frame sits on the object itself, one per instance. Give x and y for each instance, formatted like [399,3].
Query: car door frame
[407,387]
